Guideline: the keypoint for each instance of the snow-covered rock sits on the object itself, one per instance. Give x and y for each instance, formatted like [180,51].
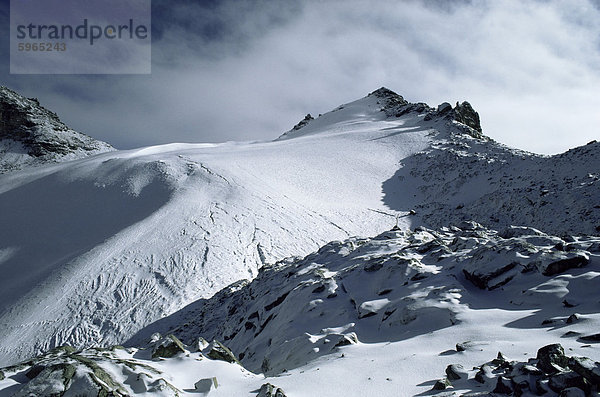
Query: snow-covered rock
[388,288]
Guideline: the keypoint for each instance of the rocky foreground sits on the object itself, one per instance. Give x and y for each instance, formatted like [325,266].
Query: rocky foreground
[392,287]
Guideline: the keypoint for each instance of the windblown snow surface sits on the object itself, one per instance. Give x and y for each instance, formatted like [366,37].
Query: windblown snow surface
[114,248]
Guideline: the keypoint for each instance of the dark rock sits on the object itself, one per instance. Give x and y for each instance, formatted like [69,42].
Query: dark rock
[551,355]
[348,339]
[541,386]
[587,368]
[444,108]
[456,372]
[442,384]
[484,374]
[40,131]
[481,277]
[1,375]
[418,277]
[500,359]
[206,385]
[34,371]
[574,260]
[303,122]
[551,321]
[572,392]
[520,384]
[463,346]
[268,390]
[276,302]
[373,267]
[218,351]
[564,380]
[568,304]
[573,318]
[168,347]
[464,113]
[503,386]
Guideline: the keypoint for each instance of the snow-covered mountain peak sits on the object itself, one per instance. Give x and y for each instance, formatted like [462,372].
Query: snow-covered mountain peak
[31,135]
[384,105]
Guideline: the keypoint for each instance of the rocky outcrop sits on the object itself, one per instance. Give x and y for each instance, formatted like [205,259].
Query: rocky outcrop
[391,103]
[465,114]
[551,372]
[218,351]
[303,122]
[168,347]
[268,390]
[31,134]
[89,372]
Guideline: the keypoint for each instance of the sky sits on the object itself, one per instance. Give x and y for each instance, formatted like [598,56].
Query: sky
[250,70]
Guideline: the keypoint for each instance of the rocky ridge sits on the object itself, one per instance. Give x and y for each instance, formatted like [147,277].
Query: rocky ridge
[31,135]
[390,287]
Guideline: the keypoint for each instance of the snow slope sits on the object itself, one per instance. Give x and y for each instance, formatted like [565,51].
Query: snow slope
[119,240]
[123,238]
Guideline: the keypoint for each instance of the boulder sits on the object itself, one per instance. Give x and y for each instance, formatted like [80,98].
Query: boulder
[444,108]
[456,372]
[218,351]
[572,392]
[503,386]
[558,262]
[573,318]
[206,385]
[442,384]
[463,346]
[168,347]
[268,390]
[551,356]
[485,374]
[567,379]
[587,368]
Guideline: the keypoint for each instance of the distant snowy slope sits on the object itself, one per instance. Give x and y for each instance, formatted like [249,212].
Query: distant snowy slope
[33,135]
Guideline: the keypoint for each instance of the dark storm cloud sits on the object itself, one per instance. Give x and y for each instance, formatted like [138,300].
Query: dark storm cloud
[250,70]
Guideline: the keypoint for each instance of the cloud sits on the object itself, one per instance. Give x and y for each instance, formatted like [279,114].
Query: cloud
[239,70]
